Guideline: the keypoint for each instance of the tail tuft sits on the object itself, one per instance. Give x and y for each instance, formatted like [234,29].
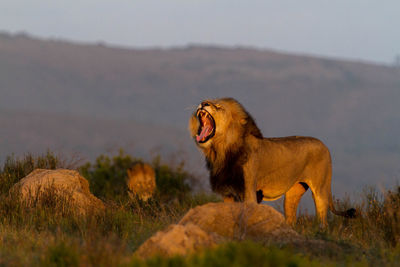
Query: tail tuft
[350,213]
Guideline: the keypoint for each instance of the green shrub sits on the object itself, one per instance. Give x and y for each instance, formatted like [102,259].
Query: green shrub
[107,176]
[172,183]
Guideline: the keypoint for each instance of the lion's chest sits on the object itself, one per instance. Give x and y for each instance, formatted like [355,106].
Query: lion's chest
[228,181]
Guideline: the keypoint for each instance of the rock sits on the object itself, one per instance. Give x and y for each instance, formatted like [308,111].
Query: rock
[242,220]
[62,184]
[141,181]
[177,240]
[210,224]
[213,223]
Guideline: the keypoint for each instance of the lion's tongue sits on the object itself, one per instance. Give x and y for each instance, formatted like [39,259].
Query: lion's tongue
[205,131]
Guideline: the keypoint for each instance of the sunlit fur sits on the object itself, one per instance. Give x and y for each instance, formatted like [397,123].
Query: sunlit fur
[141,181]
[244,166]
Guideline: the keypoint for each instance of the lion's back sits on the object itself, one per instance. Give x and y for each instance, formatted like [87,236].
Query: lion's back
[296,152]
[303,143]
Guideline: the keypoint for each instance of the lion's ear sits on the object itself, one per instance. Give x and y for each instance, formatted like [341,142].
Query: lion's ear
[243,121]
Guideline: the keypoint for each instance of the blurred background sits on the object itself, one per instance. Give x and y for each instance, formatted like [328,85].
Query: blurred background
[91,77]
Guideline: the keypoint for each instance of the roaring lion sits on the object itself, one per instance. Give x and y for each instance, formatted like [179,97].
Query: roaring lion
[245,166]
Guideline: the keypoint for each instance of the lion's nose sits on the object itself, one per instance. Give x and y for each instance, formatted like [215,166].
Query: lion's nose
[204,104]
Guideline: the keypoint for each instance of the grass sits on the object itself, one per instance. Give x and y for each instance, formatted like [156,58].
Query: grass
[49,234]
[236,254]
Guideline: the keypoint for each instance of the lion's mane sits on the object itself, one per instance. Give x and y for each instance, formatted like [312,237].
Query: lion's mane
[228,152]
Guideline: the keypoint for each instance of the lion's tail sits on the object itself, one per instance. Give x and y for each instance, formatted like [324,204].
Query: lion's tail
[350,213]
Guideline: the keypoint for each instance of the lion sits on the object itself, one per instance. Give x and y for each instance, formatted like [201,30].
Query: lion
[245,166]
[141,181]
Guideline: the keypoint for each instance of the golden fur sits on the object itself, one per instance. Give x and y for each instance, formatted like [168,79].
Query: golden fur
[141,181]
[245,166]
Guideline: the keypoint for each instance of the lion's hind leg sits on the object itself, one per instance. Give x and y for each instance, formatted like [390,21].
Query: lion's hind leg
[292,200]
[321,191]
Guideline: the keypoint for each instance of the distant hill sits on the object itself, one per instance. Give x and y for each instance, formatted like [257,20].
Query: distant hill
[87,99]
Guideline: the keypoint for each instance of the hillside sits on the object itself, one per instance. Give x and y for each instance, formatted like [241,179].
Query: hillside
[87,99]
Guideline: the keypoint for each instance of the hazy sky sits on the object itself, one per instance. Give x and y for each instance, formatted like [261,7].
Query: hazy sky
[354,29]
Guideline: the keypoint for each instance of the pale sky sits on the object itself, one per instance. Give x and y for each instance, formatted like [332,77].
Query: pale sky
[350,29]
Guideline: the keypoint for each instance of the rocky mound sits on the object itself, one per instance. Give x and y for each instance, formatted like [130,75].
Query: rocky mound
[209,224]
[61,184]
[242,220]
[177,240]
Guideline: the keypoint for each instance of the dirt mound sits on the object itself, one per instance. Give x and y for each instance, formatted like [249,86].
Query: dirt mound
[65,185]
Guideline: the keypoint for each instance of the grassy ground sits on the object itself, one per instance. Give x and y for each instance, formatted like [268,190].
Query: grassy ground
[50,234]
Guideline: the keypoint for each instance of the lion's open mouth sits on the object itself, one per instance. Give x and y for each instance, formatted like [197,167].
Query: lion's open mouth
[207,126]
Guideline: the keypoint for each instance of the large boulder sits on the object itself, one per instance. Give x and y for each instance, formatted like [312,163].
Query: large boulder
[242,220]
[213,223]
[177,240]
[141,181]
[62,185]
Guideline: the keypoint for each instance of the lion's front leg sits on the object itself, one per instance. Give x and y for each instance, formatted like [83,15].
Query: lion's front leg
[250,184]
[250,195]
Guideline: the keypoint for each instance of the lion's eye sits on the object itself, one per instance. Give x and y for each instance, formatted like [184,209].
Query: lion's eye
[218,106]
